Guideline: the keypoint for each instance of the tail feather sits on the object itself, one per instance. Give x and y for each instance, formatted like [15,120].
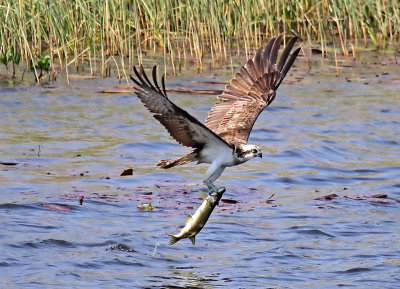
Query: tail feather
[169,163]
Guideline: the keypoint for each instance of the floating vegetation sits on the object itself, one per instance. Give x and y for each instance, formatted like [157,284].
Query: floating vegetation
[100,34]
[376,198]
[146,207]
[127,172]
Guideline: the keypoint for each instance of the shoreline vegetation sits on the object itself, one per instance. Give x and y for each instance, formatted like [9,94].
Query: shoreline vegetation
[43,34]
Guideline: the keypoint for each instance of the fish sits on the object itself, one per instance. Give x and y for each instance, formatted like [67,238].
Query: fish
[197,221]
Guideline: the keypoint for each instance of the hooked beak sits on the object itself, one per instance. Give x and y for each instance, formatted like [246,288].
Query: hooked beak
[259,155]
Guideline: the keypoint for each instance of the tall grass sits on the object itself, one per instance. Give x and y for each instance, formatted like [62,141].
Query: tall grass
[93,32]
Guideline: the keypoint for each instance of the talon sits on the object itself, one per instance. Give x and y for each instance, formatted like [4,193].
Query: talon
[212,192]
[221,190]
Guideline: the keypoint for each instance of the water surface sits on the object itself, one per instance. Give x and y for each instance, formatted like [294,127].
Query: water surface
[322,135]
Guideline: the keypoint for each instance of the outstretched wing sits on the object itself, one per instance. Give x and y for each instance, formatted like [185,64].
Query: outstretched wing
[251,90]
[182,126]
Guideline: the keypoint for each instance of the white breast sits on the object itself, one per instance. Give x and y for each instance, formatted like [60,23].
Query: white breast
[214,152]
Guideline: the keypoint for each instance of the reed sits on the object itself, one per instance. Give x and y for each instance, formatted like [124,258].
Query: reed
[94,32]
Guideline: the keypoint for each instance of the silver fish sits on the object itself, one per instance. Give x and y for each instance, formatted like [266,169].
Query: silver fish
[199,219]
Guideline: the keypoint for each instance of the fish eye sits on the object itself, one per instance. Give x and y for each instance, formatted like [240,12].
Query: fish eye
[254,151]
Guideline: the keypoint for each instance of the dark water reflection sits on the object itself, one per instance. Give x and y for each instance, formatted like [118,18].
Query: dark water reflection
[318,139]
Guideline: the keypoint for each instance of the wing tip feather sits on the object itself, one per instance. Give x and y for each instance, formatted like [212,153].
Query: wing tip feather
[267,71]
[142,81]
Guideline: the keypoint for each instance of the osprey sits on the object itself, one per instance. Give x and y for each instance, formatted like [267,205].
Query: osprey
[222,140]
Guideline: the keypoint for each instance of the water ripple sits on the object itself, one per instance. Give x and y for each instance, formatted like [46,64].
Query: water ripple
[277,229]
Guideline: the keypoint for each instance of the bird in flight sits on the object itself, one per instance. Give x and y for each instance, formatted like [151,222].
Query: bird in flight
[222,141]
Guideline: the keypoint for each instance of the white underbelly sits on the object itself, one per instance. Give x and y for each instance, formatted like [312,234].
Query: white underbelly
[224,156]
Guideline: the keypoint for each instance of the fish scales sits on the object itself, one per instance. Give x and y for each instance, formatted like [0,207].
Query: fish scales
[196,222]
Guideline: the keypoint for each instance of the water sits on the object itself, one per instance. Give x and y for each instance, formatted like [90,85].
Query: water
[321,136]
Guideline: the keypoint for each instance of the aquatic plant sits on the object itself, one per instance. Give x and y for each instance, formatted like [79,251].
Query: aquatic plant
[12,55]
[43,64]
[115,32]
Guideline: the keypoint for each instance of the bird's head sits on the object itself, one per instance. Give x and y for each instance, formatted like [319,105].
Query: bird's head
[247,152]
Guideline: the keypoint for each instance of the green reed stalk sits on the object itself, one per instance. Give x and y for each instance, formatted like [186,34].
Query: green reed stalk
[103,29]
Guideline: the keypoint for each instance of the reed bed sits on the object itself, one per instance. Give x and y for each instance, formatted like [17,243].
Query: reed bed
[102,33]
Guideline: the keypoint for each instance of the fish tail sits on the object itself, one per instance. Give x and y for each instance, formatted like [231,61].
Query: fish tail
[173,240]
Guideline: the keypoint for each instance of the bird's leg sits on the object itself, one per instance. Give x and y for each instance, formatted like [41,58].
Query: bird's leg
[213,172]
[213,189]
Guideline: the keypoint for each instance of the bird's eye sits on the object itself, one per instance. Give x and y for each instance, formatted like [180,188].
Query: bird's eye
[254,151]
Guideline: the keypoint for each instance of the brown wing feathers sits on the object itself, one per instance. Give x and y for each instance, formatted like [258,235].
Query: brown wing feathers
[282,67]
[231,119]
[251,90]
[182,126]
[140,82]
[156,101]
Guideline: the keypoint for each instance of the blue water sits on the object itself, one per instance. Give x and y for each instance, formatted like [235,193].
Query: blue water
[322,135]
